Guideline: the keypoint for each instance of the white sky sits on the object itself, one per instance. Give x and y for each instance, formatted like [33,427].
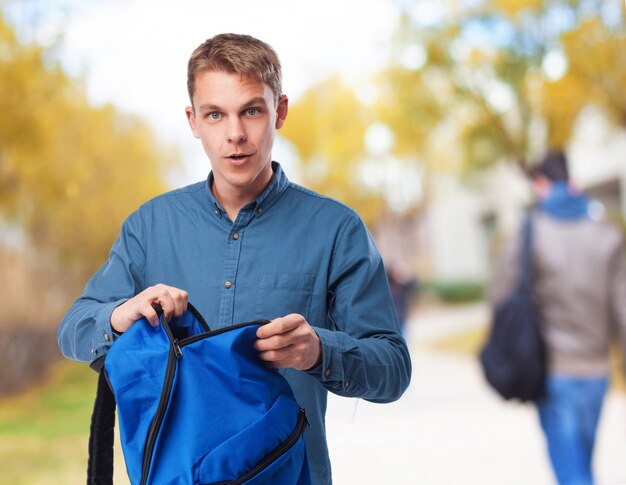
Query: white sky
[134,52]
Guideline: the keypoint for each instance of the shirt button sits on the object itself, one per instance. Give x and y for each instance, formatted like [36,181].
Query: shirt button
[346,384]
[217,212]
[327,372]
[227,284]
[259,210]
[235,236]
[107,337]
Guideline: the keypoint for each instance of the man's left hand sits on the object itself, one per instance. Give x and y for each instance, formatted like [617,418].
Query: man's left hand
[289,342]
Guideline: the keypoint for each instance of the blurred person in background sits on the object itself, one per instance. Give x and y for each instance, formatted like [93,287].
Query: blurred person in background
[579,281]
[404,288]
[247,244]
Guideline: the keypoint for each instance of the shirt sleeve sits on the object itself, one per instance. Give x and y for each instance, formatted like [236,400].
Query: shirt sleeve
[363,352]
[85,332]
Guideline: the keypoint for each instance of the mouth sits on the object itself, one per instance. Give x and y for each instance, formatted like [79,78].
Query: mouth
[239,158]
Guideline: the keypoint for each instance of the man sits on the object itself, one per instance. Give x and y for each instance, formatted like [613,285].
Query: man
[246,244]
[579,280]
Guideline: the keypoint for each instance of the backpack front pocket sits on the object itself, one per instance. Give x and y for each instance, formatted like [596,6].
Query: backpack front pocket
[290,467]
[257,448]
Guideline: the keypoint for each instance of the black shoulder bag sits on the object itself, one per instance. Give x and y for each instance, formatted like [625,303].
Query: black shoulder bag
[513,358]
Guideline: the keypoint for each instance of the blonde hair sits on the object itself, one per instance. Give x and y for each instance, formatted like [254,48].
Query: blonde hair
[236,54]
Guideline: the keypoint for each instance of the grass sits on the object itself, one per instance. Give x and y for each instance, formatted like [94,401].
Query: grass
[61,407]
[44,431]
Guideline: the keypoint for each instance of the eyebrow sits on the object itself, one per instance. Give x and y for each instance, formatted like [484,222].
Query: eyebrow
[214,107]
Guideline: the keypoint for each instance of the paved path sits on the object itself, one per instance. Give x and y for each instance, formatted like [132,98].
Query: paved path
[450,429]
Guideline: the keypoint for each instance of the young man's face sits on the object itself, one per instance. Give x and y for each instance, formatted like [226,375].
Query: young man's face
[236,119]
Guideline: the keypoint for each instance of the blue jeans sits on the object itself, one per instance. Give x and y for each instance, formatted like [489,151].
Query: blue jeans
[569,413]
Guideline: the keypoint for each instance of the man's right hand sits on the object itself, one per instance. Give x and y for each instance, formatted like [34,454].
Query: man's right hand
[173,302]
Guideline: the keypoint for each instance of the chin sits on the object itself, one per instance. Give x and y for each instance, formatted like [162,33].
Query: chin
[242,179]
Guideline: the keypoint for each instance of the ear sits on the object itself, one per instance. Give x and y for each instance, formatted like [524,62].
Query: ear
[191,119]
[281,111]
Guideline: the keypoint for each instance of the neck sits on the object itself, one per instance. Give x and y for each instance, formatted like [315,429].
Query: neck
[233,200]
[232,203]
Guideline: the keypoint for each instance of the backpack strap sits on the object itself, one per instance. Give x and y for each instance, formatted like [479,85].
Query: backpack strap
[525,271]
[101,433]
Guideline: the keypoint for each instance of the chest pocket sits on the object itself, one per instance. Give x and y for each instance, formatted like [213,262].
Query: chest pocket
[279,294]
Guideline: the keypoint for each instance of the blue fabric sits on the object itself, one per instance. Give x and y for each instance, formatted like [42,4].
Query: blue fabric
[296,252]
[562,203]
[226,411]
[569,413]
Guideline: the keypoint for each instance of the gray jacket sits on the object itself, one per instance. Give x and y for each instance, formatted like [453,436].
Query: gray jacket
[579,281]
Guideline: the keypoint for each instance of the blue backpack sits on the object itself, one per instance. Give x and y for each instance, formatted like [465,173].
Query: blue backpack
[196,407]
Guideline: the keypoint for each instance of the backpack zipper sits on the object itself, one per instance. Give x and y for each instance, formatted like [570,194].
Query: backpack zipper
[275,453]
[174,354]
[213,333]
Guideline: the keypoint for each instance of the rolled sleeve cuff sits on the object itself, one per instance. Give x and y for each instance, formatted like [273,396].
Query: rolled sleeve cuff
[330,371]
[104,336]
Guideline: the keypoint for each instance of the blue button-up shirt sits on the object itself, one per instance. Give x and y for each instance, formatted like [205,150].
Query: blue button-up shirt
[288,251]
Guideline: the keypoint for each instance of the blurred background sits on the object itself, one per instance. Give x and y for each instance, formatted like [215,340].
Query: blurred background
[421,115]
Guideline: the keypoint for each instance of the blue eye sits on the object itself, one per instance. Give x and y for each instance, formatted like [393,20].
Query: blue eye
[252,111]
[214,115]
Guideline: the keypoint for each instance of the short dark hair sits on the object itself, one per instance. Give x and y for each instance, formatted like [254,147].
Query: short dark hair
[553,166]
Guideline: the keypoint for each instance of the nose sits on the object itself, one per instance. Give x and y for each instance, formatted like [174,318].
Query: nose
[236,131]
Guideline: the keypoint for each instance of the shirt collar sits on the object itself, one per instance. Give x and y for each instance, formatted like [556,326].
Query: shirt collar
[274,190]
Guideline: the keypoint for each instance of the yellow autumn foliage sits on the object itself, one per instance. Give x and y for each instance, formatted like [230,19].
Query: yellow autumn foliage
[485,80]
[597,59]
[513,8]
[69,172]
[327,126]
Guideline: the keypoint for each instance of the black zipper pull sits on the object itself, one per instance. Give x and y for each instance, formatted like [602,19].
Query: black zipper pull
[177,350]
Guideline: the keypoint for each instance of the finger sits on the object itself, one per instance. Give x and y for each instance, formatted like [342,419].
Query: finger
[279,326]
[275,356]
[167,304]
[180,298]
[275,342]
[150,314]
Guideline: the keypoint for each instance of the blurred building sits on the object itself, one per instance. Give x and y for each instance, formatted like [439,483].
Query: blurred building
[598,160]
[453,238]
